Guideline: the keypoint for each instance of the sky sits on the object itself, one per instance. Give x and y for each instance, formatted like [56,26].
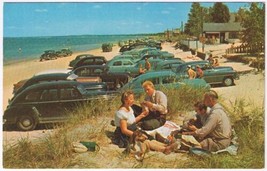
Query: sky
[29,19]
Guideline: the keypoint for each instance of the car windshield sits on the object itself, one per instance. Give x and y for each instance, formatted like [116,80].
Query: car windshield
[72,77]
[179,68]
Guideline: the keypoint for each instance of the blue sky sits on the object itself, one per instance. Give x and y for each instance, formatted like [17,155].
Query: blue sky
[101,18]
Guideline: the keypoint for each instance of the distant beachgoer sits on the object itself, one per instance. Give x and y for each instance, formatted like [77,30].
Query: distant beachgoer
[210,59]
[215,63]
[147,64]
[199,72]
[141,69]
[191,73]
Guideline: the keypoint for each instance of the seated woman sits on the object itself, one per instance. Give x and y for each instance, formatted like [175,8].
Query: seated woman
[125,121]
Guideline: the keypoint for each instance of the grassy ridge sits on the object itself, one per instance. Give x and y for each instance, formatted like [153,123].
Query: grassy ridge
[90,122]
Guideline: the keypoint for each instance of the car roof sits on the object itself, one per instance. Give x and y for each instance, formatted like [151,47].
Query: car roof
[92,66]
[84,55]
[51,75]
[158,73]
[195,62]
[164,62]
[53,71]
[61,83]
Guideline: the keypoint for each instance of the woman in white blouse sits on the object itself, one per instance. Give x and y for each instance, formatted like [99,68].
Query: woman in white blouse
[125,121]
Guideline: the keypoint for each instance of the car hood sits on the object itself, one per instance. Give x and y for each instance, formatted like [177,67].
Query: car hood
[223,68]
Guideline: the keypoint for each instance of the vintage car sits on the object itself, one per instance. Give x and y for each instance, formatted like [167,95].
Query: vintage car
[79,57]
[128,66]
[138,53]
[168,65]
[91,60]
[48,55]
[114,80]
[123,66]
[213,75]
[125,57]
[162,80]
[64,52]
[49,102]
[21,85]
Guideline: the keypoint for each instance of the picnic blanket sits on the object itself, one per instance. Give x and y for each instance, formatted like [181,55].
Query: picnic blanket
[164,130]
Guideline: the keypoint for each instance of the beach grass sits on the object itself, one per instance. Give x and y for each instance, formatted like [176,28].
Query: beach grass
[91,122]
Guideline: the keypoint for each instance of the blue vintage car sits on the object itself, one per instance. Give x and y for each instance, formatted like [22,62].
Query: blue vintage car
[213,75]
[162,79]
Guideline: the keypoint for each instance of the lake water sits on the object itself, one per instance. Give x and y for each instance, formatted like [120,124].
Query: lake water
[27,48]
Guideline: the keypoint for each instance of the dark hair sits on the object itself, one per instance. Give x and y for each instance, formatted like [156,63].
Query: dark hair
[200,105]
[125,95]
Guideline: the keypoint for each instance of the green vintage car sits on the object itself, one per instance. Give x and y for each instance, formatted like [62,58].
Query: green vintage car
[131,67]
[213,75]
[162,80]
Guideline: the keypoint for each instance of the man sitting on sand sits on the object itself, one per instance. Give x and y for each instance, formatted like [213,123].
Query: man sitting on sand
[216,131]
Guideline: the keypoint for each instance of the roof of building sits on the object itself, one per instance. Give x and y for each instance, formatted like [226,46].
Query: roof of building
[219,27]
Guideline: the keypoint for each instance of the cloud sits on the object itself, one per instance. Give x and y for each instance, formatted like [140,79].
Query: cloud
[165,12]
[40,10]
[97,6]
[138,8]
[138,22]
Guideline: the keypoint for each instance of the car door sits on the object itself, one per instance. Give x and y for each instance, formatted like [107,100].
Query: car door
[49,106]
[70,98]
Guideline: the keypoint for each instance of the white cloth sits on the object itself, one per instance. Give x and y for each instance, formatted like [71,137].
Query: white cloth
[124,115]
[164,130]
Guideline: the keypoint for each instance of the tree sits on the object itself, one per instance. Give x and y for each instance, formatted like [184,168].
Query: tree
[220,13]
[195,20]
[253,23]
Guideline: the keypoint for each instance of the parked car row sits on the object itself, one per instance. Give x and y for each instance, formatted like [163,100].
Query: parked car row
[45,97]
[52,54]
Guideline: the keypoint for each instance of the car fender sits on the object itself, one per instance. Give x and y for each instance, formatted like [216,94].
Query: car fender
[12,114]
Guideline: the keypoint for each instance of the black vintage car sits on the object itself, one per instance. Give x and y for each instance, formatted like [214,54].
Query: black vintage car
[48,55]
[64,52]
[90,60]
[79,57]
[48,102]
[113,80]
[19,87]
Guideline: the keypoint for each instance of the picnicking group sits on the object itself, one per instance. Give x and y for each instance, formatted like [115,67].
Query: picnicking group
[139,125]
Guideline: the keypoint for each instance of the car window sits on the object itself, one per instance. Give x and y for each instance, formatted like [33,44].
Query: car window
[127,63]
[88,61]
[168,79]
[167,66]
[99,61]
[82,72]
[49,95]
[98,71]
[32,96]
[117,63]
[68,94]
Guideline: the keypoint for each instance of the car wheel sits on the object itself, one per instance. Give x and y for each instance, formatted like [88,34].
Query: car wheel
[228,81]
[26,123]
